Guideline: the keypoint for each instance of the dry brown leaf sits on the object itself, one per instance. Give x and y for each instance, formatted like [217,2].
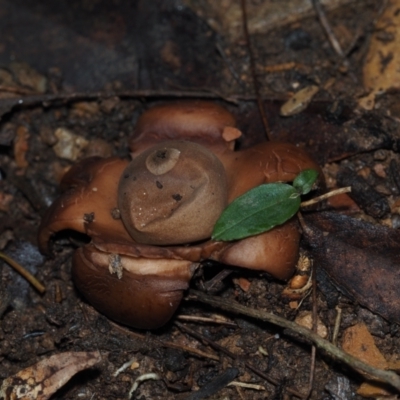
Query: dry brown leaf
[358,342]
[382,64]
[42,380]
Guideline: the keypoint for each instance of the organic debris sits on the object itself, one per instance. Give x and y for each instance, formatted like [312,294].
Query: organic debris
[361,258]
[42,380]
[382,64]
[358,342]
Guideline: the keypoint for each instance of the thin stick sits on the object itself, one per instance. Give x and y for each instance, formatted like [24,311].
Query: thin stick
[25,273]
[224,350]
[314,329]
[47,99]
[325,196]
[327,28]
[209,285]
[194,318]
[253,71]
[170,345]
[247,385]
[334,352]
[336,328]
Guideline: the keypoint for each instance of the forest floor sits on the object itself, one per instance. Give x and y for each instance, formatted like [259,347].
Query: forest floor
[91,68]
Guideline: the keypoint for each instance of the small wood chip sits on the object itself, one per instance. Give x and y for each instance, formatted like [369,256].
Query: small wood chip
[21,147]
[69,145]
[243,283]
[299,101]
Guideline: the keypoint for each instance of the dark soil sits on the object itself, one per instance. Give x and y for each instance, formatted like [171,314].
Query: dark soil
[95,47]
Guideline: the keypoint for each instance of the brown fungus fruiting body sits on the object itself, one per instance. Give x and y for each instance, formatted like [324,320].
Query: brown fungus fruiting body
[140,292]
[150,220]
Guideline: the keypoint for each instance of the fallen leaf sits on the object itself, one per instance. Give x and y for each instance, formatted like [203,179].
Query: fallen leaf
[42,380]
[358,342]
[382,64]
[362,259]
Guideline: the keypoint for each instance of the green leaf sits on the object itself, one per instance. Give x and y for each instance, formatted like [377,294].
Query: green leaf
[305,180]
[257,211]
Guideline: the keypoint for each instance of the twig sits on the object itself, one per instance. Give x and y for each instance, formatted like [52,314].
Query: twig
[247,385]
[6,105]
[209,285]
[388,377]
[212,91]
[314,329]
[222,349]
[337,325]
[45,100]
[253,71]
[215,320]
[327,28]
[325,196]
[170,345]
[76,96]
[25,273]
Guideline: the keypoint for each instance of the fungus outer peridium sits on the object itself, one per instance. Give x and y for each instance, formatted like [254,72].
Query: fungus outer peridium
[198,121]
[172,194]
[146,294]
[89,187]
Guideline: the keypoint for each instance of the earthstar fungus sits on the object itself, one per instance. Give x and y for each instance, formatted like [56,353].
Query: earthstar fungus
[150,220]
